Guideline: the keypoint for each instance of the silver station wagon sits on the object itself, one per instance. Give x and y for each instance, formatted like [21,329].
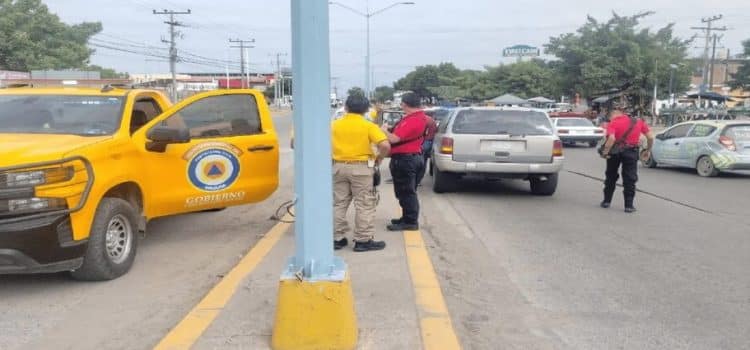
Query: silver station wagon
[710,147]
[506,142]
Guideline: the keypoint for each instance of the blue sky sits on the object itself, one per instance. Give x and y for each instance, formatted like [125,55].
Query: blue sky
[471,34]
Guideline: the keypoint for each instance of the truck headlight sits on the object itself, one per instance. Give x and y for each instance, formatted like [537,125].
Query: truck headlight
[38,177]
[36,204]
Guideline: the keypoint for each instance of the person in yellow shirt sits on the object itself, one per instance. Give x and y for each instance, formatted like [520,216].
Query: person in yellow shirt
[354,163]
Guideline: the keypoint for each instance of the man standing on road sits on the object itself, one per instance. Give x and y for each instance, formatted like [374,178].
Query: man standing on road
[407,161]
[352,138]
[621,149]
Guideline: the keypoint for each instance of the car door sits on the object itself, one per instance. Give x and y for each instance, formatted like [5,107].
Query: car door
[667,148]
[228,156]
[695,145]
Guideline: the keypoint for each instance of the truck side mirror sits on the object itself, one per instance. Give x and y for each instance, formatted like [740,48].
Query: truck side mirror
[159,137]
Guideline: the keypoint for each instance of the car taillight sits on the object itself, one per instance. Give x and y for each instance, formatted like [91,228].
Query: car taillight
[557,149]
[728,142]
[446,146]
[563,131]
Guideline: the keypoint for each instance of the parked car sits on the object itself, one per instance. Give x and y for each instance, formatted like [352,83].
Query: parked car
[573,130]
[391,117]
[492,142]
[83,170]
[710,147]
[439,114]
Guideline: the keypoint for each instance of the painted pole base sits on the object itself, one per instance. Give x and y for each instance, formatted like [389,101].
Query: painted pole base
[315,315]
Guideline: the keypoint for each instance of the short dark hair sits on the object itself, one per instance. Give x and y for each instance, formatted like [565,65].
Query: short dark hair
[412,100]
[357,104]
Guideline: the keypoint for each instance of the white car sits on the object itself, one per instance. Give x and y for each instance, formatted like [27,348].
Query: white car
[371,114]
[573,130]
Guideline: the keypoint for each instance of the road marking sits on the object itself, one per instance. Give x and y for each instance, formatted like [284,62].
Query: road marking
[187,332]
[434,319]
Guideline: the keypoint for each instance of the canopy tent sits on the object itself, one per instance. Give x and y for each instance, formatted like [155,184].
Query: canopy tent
[540,99]
[508,99]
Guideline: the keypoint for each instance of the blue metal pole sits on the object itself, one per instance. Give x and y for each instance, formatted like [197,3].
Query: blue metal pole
[313,258]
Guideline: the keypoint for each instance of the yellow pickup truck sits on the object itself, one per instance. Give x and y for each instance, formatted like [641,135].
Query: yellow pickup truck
[83,170]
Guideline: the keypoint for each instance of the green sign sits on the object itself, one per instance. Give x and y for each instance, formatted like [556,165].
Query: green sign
[521,51]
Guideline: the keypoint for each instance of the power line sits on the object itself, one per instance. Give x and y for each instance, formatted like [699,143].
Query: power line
[172,44]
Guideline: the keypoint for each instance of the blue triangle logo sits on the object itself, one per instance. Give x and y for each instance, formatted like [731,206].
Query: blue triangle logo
[214,171]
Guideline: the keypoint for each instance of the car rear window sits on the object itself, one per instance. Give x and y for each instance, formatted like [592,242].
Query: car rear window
[489,122]
[574,122]
[738,132]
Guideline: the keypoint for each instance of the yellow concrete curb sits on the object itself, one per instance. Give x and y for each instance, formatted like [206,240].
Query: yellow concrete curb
[434,318]
[187,332]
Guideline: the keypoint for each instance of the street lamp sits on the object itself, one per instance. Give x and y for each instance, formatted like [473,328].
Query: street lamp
[367,15]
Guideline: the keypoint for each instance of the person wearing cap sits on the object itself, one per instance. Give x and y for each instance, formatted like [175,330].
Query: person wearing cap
[407,160]
[621,150]
[354,162]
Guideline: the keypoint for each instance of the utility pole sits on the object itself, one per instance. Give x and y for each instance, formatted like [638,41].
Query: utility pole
[713,60]
[242,47]
[172,45]
[708,29]
[278,88]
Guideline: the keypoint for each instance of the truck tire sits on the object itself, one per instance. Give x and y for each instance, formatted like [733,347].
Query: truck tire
[112,244]
[443,182]
[544,188]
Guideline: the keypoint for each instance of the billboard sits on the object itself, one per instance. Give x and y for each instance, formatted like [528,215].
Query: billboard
[521,51]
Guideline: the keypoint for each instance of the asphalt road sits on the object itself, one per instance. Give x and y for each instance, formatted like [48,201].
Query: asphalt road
[178,261]
[526,272]
[518,271]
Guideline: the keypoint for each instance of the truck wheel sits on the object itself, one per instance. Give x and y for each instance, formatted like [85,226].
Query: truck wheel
[112,244]
[544,188]
[443,182]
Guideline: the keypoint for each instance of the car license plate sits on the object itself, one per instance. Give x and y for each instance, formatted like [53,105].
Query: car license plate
[507,146]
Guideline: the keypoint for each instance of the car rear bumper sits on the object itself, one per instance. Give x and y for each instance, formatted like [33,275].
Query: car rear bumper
[39,245]
[580,138]
[446,164]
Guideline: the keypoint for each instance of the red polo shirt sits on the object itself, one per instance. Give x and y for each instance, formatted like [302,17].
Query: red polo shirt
[620,125]
[410,130]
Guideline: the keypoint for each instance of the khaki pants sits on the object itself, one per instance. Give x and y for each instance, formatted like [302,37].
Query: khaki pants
[354,182]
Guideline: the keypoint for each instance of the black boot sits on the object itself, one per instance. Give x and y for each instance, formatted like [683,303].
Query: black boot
[340,244]
[368,246]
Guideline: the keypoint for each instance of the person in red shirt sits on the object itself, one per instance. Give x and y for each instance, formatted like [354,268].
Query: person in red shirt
[624,136]
[429,136]
[407,161]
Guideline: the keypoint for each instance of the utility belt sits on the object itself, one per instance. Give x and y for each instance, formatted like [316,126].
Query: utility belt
[405,155]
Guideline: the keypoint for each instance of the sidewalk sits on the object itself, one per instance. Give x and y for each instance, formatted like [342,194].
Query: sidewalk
[384,296]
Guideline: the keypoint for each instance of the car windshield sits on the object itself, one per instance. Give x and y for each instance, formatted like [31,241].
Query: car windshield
[60,114]
[489,122]
[573,122]
[738,132]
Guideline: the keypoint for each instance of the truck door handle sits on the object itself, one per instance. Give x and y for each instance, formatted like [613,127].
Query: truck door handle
[262,148]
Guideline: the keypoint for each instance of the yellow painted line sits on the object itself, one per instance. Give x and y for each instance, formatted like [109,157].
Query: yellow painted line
[187,332]
[434,318]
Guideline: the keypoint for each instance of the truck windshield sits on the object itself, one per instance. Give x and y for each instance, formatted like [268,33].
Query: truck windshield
[60,114]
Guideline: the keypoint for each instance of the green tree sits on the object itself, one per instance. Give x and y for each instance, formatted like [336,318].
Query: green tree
[741,79]
[424,79]
[619,54]
[384,93]
[107,73]
[527,79]
[33,38]
[356,91]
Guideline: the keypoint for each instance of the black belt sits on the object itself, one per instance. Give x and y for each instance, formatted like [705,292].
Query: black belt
[404,155]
